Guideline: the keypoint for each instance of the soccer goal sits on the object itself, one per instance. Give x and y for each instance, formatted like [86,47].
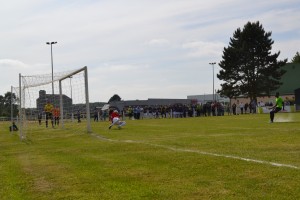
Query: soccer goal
[54,101]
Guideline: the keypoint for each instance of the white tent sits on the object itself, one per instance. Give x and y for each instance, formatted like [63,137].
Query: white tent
[105,107]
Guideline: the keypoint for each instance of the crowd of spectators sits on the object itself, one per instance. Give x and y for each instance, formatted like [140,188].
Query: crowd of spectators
[174,111]
[242,108]
[183,111]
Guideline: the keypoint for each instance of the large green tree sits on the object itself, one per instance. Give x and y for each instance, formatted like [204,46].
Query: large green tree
[7,102]
[296,58]
[2,105]
[248,67]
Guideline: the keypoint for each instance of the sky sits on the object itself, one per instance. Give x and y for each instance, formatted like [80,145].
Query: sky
[137,49]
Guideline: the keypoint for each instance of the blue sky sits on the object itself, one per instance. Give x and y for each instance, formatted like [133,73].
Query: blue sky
[137,49]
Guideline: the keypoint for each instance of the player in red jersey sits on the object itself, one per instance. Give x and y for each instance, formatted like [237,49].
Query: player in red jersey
[115,120]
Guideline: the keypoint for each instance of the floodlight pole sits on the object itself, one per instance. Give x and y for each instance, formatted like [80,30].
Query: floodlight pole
[213,66]
[51,43]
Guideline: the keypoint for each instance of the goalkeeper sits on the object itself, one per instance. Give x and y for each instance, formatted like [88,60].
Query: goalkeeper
[277,107]
[48,110]
[115,120]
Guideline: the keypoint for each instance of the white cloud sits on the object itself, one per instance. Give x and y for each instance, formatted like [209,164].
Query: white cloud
[202,49]
[290,47]
[8,63]
[158,42]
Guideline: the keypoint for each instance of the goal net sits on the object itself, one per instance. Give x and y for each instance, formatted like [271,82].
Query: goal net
[53,101]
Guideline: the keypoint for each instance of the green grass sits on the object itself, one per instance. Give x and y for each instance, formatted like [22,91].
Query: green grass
[192,158]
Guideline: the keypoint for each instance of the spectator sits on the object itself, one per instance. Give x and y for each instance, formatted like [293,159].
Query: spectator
[13,127]
[242,108]
[234,108]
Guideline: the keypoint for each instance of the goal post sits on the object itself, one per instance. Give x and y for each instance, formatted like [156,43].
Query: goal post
[88,115]
[68,94]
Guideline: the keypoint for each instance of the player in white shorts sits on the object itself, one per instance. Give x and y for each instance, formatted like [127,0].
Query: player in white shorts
[115,120]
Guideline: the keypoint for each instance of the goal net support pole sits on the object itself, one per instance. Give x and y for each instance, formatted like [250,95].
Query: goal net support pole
[20,108]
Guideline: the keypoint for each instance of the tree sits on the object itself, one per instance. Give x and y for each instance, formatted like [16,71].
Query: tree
[1,105]
[296,58]
[115,97]
[5,104]
[248,67]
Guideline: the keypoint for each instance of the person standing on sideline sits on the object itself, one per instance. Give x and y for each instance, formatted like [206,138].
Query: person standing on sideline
[253,105]
[234,108]
[130,113]
[277,107]
[246,107]
[242,108]
[228,109]
[104,115]
[40,118]
[78,116]
[56,114]
[115,120]
[96,115]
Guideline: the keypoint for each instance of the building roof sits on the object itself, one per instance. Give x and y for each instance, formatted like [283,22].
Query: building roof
[208,98]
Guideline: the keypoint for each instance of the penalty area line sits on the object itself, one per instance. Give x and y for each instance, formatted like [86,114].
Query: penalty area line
[201,152]
[226,156]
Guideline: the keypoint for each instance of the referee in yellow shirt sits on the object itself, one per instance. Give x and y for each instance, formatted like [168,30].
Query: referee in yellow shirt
[48,110]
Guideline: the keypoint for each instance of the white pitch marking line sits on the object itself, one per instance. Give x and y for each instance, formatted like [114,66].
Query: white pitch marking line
[205,153]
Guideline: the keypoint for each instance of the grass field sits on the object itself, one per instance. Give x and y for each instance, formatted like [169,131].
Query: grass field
[230,157]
